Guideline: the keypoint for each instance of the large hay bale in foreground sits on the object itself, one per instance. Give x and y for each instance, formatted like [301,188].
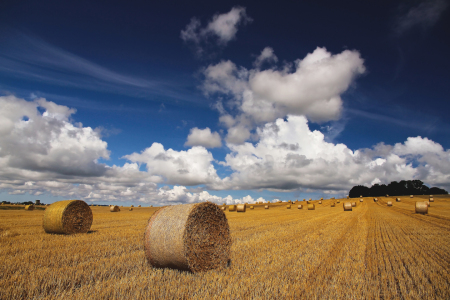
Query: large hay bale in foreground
[347,206]
[68,217]
[114,208]
[421,207]
[428,203]
[311,206]
[192,237]
[300,206]
[266,206]
[232,208]
[288,207]
[29,207]
[353,204]
[389,203]
[241,207]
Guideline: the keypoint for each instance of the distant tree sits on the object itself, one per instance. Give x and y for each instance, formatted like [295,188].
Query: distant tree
[359,190]
[437,191]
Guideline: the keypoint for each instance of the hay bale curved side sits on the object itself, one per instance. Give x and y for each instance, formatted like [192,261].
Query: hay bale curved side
[114,208]
[241,207]
[192,237]
[353,204]
[347,206]
[232,208]
[300,206]
[311,206]
[266,206]
[320,202]
[421,208]
[29,207]
[68,217]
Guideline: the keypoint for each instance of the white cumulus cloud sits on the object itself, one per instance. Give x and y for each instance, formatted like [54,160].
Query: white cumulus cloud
[203,137]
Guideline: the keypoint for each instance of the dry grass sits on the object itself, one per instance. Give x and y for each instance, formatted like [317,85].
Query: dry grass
[373,252]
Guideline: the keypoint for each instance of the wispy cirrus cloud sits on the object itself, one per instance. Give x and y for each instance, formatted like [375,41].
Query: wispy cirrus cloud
[423,16]
[30,58]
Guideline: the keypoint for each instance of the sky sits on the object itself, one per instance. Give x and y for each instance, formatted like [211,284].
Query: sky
[126,102]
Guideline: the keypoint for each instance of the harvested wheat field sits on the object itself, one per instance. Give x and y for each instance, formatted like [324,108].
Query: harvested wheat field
[371,252]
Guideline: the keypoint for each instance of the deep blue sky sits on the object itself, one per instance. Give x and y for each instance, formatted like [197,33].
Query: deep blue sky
[403,93]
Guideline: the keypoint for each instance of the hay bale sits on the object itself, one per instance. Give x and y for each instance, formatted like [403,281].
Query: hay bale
[288,207]
[192,237]
[320,202]
[332,198]
[321,198]
[431,196]
[333,204]
[389,203]
[338,201]
[29,207]
[251,207]
[353,204]
[421,208]
[397,199]
[131,205]
[224,208]
[347,206]
[68,217]
[348,197]
[375,199]
[387,195]
[360,196]
[232,208]
[361,200]
[311,206]
[266,206]
[412,196]
[431,200]
[241,207]
[139,206]
[300,206]
[130,209]
[428,203]
[114,208]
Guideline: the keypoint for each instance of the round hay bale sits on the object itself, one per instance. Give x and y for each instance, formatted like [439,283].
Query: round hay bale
[288,207]
[375,199]
[139,206]
[131,209]
[232,208]
[241,207]
[114,208]
[348,197]
[332,198]
[192,237]
[224,208]
[353,204]
[389,203]
[333,204]
[320,202]
[68,217]
[431,196]
[421,208]
[338,201]
[347,206]
[131,205]
[321,198]
[266,206]
[311,206]
[412,196]
[29,207]
[397,199]
[361,200]
[428,203]
[300,206]
[387,195]
[431,200]
[251,207]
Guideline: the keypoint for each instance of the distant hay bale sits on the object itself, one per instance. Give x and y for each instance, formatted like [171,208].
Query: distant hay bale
[311,206]
[68,217]
[431,200]
[338,201]
[389,203]
[321,198]
[397,199]
[232,208]
[333,204]
[428,203]
[132,206]
[114,208]
[191,237]
[29,207]
[412,196]
[348,197]
[251,207]
[387,195]
[266,206]
[320,202]
[310,199]
[353,204]
[300,206]
[332,198]
[131,209]
[224,208]
[375,199]
[421,208]
[360,196]
[288,206]
[361,200]
[139,206]
[431,195]
[241,207]
[347,206]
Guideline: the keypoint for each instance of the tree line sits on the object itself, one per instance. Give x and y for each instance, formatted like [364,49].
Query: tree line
[404,187]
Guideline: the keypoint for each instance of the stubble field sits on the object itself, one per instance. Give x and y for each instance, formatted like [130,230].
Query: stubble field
[372,252]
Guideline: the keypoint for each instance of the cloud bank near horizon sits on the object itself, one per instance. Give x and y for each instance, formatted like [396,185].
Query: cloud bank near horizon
[43,150]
